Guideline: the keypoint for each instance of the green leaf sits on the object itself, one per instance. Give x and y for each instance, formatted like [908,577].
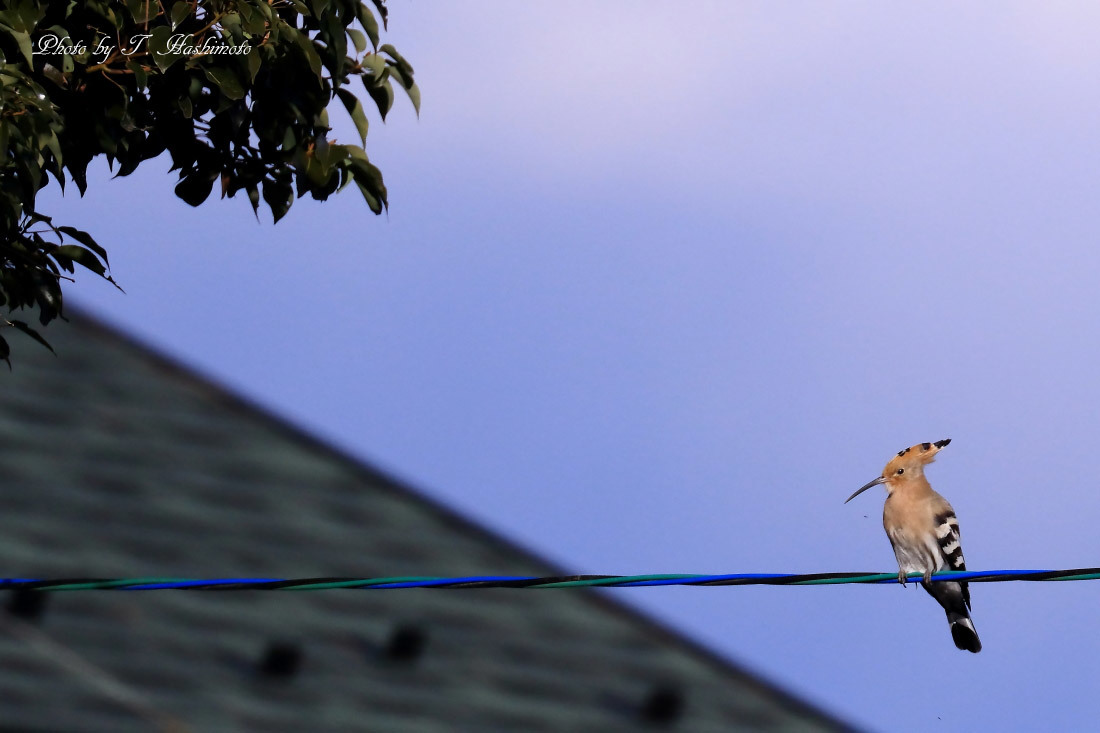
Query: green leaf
[54,147]
[158,48]
[254,59]
[310,52]
[279,196]
[195,188]
[372,200]
[358,39]
[382,94]
[143,10]
[85,239]
[290,139]
[224,78]
[54,74]
[48,297]
[368,178]
[24,42]
[21,326]
[316,171]
[405,66]
[414,97]
[355,109]
[375,63]
[83,257]
[180,11]
[231,22]
[141,78]
[370,25]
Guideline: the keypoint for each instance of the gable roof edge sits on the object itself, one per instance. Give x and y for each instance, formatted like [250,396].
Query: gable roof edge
[179,369]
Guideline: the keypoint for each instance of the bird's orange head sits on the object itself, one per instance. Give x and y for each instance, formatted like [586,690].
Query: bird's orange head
[908,464]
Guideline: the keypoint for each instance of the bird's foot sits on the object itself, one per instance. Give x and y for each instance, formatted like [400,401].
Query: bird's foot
[901,577]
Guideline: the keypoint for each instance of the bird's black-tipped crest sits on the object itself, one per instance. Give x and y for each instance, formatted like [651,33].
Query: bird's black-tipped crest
[941,443]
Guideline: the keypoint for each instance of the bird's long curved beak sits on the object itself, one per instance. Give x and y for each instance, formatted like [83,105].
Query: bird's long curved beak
[876,482]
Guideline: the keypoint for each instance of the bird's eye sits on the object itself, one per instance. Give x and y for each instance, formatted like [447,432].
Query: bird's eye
[901,471]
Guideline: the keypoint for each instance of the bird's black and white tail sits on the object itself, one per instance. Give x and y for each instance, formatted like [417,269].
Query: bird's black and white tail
[963,633]
[955,597]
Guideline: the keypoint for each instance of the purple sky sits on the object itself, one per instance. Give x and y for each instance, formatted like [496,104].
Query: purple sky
[662,284]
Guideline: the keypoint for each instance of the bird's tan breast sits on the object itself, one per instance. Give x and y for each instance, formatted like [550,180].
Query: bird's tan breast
[913,507]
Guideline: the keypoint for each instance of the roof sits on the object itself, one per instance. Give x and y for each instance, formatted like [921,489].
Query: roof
[118,462]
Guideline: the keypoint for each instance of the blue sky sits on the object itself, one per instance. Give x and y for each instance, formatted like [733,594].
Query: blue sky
[662,284]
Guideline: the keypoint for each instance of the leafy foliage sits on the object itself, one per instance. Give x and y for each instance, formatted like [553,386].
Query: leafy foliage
[236,91]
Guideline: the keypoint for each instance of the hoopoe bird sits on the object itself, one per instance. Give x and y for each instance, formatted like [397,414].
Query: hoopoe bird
[924,533]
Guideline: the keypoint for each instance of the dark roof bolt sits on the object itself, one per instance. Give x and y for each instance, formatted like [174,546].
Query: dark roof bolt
[406,644]
[281,660]
[27,604]
[664,705]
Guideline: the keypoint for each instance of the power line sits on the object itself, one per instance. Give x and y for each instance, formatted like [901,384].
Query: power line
[513,581]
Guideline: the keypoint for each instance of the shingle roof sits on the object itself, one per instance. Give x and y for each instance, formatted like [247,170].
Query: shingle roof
[117,462]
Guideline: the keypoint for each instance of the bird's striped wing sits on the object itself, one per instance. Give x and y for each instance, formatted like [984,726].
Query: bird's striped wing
[947,536]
